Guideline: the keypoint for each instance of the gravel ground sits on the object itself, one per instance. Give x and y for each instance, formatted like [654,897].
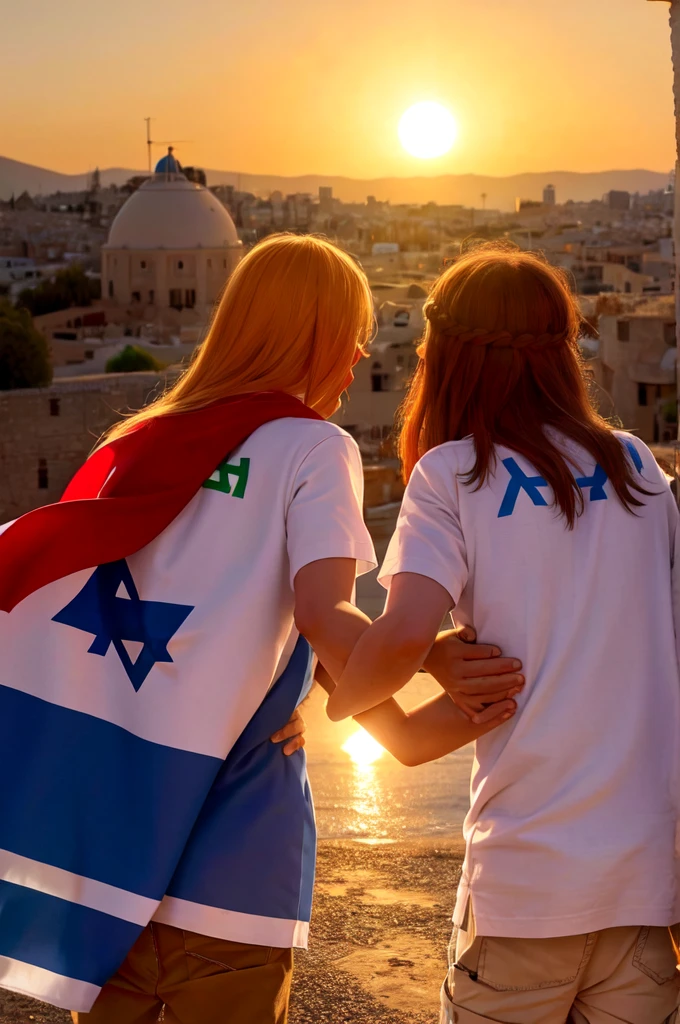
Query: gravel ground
[378,949]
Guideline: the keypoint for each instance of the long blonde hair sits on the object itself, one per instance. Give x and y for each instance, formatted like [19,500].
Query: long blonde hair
[292,317]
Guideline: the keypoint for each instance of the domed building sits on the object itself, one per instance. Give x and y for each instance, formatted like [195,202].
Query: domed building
[170,250]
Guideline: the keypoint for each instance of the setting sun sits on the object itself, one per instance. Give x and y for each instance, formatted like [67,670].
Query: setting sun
[427,130]
[362,748]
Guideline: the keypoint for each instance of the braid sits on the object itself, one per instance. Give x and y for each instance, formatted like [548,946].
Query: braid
[492,339]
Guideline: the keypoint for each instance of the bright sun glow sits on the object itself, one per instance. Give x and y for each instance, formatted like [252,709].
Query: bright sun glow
[427,130]
[362,748]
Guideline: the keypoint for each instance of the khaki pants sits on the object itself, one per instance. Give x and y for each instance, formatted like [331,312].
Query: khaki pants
[183,978]
[609,977]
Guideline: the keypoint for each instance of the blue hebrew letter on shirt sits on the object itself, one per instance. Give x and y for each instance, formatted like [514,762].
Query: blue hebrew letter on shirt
[596,483]
[635,455]
[519,481]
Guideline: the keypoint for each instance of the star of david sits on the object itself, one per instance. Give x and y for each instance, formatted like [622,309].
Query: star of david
[110,607]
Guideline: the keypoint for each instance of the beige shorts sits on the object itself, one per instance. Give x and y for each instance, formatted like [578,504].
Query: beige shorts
[616,976]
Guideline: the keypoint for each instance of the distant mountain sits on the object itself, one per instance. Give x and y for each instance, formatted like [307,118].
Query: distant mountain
[16,177]
[465,189]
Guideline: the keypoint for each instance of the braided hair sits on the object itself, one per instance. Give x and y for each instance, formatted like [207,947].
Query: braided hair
[507,379]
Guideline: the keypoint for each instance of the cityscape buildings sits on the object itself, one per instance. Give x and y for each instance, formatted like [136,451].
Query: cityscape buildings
[160,249]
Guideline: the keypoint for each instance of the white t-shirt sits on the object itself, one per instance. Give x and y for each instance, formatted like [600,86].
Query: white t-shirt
[290,495]
[574,801]
[123,688]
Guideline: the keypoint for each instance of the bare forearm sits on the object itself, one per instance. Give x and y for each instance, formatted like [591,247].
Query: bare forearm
[335,634]
[427,732]
[437,727]
[387,723]
[378,667]
[433,729]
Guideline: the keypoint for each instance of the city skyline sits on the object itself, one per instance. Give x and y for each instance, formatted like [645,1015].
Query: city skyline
[304,89]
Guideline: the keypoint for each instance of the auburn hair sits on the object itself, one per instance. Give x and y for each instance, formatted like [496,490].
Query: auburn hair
[292,317]
[500,362]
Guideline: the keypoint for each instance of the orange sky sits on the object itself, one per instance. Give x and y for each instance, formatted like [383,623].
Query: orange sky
[296,86]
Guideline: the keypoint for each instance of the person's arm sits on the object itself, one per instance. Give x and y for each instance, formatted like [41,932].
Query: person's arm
[434,728]
[325,615]
[388,654]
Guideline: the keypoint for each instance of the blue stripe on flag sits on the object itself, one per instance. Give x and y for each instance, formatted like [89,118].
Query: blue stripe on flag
[253,849]
[62,937]
[87,796]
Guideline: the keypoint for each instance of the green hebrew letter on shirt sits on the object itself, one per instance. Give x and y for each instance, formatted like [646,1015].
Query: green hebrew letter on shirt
[219,481]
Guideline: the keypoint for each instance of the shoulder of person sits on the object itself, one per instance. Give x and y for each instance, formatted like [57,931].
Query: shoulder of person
[298,437]
[645,462]
[633,443]
[452,457]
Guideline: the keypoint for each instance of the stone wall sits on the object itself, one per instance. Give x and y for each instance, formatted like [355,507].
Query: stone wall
[47,433]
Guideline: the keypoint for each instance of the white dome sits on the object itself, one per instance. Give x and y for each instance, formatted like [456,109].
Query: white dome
[171,212]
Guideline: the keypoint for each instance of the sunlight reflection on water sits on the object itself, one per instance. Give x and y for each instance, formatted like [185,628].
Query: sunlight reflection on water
[384,800]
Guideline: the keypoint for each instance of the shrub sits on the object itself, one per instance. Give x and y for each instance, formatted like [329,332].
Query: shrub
[24,354]
[131,360]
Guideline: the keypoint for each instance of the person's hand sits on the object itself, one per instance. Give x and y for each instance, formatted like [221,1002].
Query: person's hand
[293,733]
[475,676]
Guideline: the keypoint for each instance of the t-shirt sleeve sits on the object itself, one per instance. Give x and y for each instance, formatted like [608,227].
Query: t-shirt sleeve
[325,518]
[428,539]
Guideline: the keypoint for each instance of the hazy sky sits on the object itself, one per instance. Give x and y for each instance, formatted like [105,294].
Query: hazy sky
[295,86]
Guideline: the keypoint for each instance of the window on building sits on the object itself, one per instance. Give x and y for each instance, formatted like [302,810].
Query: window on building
[152,296]
[623,330]
[43,477]
[627,287]
[176,298]
[209,262]
[89,353]
[669,335]
[642,394]
[180,264]
[224,264]
[55,406]
[110,289]
[136,296]
[142,264]
[190,298]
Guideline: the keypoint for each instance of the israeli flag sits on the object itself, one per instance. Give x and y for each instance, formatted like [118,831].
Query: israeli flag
[117,807]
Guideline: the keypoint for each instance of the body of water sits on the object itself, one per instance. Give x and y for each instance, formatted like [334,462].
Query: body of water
[386,801]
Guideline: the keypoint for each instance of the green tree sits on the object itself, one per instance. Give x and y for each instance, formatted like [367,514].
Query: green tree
[24,355]
[131,360]
[70,287]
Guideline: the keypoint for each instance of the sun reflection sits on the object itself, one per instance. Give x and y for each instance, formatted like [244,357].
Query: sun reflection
[363,749]
[367,790]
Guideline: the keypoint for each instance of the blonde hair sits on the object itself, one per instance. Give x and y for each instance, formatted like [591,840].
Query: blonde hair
[292,316]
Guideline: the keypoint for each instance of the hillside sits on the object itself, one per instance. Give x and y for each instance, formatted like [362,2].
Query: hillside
[466,189]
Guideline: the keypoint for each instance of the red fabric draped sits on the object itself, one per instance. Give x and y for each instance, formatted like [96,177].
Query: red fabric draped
[129,491]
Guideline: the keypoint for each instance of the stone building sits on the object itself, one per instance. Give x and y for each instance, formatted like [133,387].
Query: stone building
[49,432]
[369,409]
[636,366]
[170,250]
